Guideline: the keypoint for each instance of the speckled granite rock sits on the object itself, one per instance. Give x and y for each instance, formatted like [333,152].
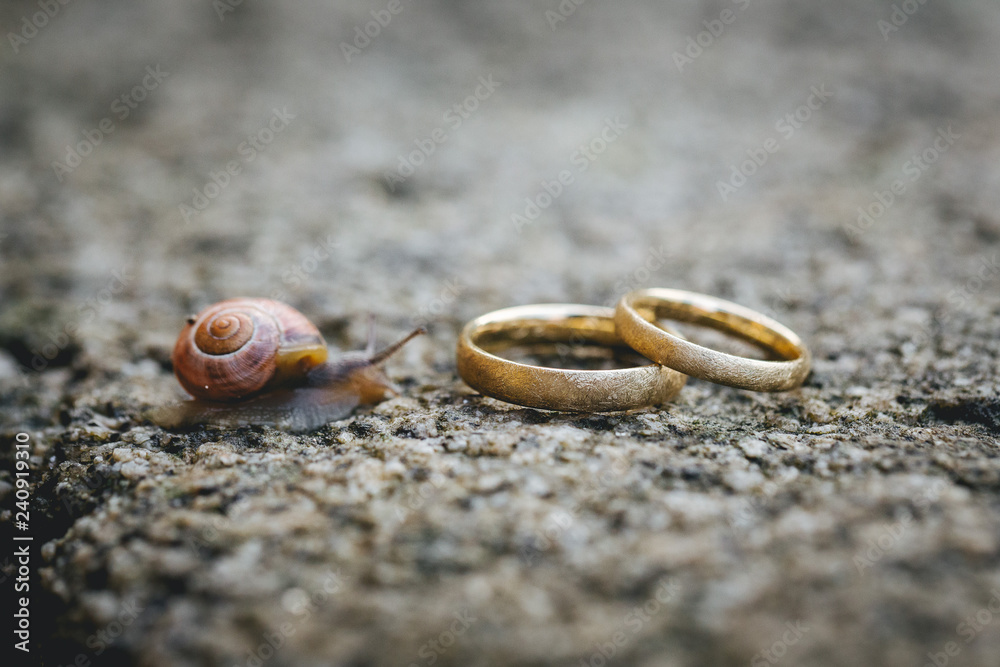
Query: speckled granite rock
[853,522]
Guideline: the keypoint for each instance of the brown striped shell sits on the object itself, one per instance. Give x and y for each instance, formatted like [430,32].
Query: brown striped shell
[239,347]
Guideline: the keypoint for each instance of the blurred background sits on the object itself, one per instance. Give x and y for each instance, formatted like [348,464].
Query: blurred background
[834,165]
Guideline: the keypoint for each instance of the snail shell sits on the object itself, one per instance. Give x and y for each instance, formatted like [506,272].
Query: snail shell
[238,347]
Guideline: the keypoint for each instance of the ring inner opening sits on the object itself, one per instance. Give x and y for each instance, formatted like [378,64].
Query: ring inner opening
[575,343]
[750,337]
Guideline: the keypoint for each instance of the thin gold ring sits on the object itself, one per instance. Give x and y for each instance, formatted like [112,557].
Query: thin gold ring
[637,312]
[567,390]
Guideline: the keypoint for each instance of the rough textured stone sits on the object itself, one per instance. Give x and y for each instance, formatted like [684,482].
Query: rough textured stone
[855,521]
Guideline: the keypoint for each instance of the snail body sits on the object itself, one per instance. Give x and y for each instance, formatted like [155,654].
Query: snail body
[259,361]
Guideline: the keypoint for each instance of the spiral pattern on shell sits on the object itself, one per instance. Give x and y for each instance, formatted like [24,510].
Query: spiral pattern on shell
[237,347]
[224,333]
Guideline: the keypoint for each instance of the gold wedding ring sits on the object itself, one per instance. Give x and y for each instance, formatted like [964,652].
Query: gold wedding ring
[548,388]
[636,313]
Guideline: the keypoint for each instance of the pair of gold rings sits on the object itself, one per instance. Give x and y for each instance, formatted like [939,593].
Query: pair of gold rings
[633,323]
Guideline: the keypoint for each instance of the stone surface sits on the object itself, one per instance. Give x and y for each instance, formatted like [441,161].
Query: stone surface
[855,521]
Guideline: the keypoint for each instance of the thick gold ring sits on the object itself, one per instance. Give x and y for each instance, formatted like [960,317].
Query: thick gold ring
[568,390]
[637,312]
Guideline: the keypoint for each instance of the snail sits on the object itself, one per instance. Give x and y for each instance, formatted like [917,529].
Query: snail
[253,361]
